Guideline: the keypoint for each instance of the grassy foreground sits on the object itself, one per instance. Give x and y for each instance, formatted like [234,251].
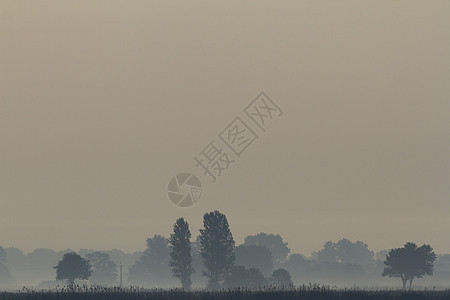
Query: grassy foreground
[305,293]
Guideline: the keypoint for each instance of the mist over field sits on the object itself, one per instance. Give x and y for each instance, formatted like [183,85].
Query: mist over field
[210,145]
[150,268]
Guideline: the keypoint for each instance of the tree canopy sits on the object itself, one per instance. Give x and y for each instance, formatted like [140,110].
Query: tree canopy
[281,278]
[346,252]
[273,242]
[254,256]
[217,246]
[152,266]
[104,269]
[409,262]
[180,256]
[240,277]
[71,267]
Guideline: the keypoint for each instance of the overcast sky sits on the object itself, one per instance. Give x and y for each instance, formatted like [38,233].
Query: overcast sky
[102,102]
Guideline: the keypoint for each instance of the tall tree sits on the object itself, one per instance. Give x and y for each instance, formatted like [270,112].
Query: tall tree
[217,246]
[180,256]
[273,242]
[409,262]
[71,267]
[104,269]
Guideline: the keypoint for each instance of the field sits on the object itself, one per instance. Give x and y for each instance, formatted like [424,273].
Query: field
[305,292]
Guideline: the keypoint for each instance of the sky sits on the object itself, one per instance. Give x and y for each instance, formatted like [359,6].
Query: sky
[103,102]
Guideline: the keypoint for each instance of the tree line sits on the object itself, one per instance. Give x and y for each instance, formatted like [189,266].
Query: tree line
[255,264]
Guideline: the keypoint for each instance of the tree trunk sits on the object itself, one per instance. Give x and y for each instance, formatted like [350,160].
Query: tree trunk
[186,283]
[410,283]
[404,281]
[213,283]
[71,282]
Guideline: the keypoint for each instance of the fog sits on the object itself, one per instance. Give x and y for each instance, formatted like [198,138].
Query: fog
[103,102]
[352,264]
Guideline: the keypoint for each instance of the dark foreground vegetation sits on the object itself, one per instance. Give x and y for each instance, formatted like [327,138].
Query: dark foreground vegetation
[313,292]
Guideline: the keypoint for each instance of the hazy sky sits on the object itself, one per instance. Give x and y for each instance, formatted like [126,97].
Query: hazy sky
[102,102]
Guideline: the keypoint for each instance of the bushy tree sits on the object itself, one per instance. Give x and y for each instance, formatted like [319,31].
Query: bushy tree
[104,269]
[240,277]
[152,267]
[298,265]
[217,246]
[273,242]
[328,253]
[409,262]
[346,252]
[254,256]
[381,255]
[180,256]
[71,267]
[281,278]
[237,277]
[256,279]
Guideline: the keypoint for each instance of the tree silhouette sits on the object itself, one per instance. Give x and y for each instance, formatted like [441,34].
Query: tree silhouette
[274,243]
[240,277]
[6,277]
[180,257]
[409,262]
[254,256]
[256,278]
[346,252]
[327,254]
[152,267]
[237,277]
[104,269]
[298,265]
[197,263]
[71,267]
[217,246]
[281,278]
[2,255]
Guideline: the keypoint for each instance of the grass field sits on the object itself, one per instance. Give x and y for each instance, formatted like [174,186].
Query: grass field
[305,292]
